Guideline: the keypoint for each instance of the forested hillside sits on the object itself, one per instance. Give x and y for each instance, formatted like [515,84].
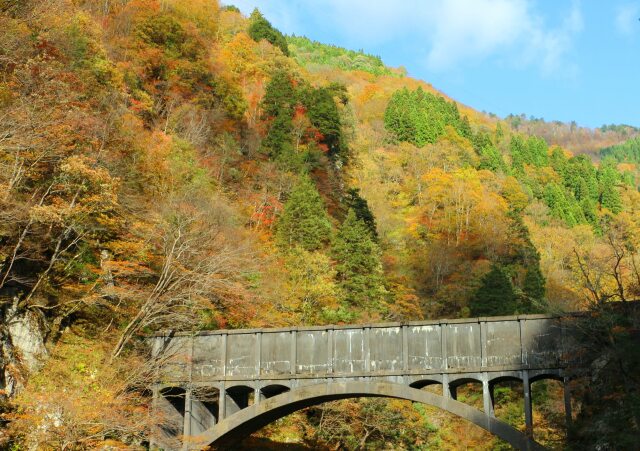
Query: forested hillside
[572,136]
[177,165]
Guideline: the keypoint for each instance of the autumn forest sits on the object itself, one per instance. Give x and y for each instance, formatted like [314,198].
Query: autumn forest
[178,165]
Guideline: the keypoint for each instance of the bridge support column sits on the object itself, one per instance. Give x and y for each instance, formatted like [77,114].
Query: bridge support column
[446,390]
[186,423]
[487,395]
[222,404]
[567,402]
[528,411]
[257,395]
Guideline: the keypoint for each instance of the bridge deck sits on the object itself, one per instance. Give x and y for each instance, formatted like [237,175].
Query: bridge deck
[426,347]
[208,377]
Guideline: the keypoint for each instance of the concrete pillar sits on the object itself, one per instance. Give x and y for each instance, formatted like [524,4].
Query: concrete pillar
[186,428]
[257,394]
[528,412]
[446,392]
[567,402]
[294,351]
[154,414]
[222,404]
[487,395]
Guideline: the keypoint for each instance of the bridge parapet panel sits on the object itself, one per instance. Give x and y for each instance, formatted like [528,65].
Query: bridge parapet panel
[502,340]
[312,351]
[175,355]
[276,353]
[207,357]
[349,350]
[386,349]
[425,347]
[464,347]
[241,354]
[542,342]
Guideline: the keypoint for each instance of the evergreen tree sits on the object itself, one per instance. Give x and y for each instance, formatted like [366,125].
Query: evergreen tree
[561,206]
[609,177]
[324,115]
[495,296]
[278,105]
[359,270]
[533,289]
[278,141]
[360,207]
[279,95]
[491,159]
[398,117]
[304,221]
[420,117]
[260,28]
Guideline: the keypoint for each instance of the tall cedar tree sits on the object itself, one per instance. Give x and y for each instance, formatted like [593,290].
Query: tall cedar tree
[354,201]
[324,115]
[358,264]
[304,220]
[260,28]
[278,105]
[495,296]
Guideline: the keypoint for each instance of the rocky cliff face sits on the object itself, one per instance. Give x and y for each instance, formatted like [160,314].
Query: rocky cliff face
[22,348]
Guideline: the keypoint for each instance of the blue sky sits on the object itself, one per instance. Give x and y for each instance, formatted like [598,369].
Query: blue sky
[557,59]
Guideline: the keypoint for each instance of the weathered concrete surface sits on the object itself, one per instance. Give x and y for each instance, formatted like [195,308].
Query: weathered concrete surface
[259,375]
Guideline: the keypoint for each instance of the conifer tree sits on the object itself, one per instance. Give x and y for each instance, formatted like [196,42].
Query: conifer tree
[359,270]
[277,105]
[261,28]
[324,115]
[304,221]
[495,296]
[533,289]
[608,177]
[354,201]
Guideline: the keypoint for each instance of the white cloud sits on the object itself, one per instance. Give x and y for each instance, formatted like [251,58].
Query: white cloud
[473,30]
[447,34]
[627,18]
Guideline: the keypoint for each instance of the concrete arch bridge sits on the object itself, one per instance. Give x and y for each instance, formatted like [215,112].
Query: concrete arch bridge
[216,387]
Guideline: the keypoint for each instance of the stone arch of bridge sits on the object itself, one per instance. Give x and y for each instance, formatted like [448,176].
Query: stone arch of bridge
[252,418]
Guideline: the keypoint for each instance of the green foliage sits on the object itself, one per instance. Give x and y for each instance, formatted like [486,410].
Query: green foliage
[323,114]
[304,221]
[495,296]
[609,177]
[282,101]
[420,117]
[354,201]
[531,151]
[358,264]
[163,31]
[491,159]
[562,205]
[277,104]
[260,28]
[279,95]
[628,151]
[307,52]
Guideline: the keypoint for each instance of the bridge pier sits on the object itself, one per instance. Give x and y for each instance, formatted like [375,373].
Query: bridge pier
[567,402]
[487,395]
[528,411]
